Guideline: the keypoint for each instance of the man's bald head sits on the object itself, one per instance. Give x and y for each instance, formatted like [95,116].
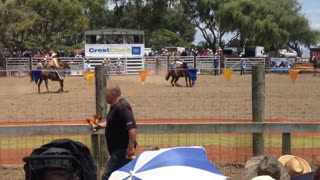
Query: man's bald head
[112,93]
[114,89]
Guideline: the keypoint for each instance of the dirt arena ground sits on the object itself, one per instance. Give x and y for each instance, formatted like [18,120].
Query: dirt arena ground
[211,99]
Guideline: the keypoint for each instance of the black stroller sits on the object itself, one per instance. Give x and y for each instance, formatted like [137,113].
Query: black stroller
[61,159]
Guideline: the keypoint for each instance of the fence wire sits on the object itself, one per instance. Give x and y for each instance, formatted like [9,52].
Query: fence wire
[212,99]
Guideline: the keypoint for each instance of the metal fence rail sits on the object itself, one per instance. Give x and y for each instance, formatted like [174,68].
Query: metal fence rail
[191,134]
[241,127]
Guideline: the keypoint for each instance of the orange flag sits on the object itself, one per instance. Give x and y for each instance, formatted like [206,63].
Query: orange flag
[293,75]
[89,76]
[142,75]
[227,73]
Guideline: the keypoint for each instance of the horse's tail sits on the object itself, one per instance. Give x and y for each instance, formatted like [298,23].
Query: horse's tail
[168,75]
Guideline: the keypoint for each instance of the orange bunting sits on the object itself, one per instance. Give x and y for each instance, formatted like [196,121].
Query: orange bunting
[293,75]
[142,75]
[227,73]
[89,76]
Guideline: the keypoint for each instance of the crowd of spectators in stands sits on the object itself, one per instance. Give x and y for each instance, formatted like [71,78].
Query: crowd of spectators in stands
[186,52]
[5,53]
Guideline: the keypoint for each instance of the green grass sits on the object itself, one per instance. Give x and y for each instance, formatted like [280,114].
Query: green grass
[35,141]
[223,140]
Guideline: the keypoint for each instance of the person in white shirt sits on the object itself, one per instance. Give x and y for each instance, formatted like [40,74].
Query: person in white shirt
[242,67]
[106,65]
[119,64]
[87,66]
[39,64]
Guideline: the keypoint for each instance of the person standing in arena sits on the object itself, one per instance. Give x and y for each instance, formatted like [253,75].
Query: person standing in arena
[87,65]
[314,61]
[119,64]
[242,67]
[106,65]
[120,131]
[39,64]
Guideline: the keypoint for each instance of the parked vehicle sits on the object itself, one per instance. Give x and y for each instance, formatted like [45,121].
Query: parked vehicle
[287,53]
[256,51]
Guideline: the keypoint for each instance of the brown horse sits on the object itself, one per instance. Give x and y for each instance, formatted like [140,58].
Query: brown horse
[316,64]
[176,73]
[46,74]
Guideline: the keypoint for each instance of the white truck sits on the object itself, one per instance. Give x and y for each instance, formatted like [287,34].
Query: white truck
[288,53]
[256,51]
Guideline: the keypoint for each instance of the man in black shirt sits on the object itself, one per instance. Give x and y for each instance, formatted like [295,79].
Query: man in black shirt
[120,131]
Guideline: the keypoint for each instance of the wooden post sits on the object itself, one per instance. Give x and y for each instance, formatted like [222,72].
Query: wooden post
[158,66]
[99,147]
[168,63]
[258,105]
[286,143]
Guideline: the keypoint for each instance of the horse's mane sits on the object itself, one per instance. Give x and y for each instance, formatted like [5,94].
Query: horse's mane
[184,65]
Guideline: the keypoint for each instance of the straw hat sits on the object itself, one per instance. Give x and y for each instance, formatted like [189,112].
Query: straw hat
[295,165]
[106,61]
[265,165]
[264,177]
[53,54]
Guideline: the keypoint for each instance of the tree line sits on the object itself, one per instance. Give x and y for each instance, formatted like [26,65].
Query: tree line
[59,24]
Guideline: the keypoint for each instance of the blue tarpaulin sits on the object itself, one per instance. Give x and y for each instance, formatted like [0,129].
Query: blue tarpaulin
[36,76]
[193,75]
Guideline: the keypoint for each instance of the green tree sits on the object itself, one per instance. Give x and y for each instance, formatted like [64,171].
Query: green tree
[56,21]
[45,24]
[272,24]
[15,24]
[97,13]
[163,37]
[151,17]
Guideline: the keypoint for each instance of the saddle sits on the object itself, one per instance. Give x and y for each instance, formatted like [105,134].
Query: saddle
[55,73]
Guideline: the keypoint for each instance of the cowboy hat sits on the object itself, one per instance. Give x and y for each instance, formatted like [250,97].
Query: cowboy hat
[106,61]
[264,177]
[295,165]
[53,54]
[265,165]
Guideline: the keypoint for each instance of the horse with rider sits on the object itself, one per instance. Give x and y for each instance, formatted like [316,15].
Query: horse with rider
[176,70]
[53,69]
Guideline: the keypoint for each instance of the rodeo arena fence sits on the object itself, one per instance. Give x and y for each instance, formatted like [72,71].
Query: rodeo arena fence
[155,65]
[256,131]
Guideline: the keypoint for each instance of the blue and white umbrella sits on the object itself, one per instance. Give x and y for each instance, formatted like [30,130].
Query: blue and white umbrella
[179,163]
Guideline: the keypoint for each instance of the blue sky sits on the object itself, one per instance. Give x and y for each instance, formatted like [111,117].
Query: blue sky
[310,9]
